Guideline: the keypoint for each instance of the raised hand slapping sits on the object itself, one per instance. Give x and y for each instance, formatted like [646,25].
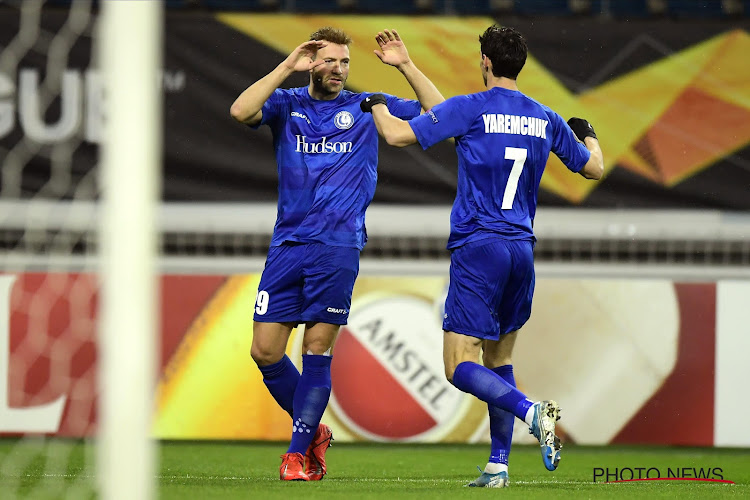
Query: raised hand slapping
[392,49]
[301,58]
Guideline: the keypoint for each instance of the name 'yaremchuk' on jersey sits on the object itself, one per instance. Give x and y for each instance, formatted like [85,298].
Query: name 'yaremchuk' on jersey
[496,123]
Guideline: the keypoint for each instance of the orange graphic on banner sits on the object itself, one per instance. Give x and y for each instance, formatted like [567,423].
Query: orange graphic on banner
[211,388]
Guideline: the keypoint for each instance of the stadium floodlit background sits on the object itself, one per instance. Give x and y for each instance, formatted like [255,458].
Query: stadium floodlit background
[652,359]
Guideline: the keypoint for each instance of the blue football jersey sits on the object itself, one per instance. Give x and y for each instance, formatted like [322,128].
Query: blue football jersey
[503,140]
[327,156]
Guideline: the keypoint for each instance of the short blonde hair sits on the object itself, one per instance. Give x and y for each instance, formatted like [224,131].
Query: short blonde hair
[333,35]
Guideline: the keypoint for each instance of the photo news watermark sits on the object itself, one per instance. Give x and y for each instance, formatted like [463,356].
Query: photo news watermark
[630,474]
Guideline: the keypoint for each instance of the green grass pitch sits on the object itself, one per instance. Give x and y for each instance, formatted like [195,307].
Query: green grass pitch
[249,470]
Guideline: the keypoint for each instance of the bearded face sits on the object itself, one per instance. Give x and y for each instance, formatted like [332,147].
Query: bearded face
[328,79]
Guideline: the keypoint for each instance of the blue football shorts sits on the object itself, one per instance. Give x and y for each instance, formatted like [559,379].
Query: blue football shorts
[307,282]
[491,287]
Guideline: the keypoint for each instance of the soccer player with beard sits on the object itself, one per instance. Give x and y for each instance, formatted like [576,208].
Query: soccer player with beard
[326,153]
[503,140]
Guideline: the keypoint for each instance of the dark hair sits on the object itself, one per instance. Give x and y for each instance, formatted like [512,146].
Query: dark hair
[506,48]
[333,35]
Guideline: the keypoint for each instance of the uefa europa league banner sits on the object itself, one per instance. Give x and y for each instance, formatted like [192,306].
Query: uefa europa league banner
[670,101]
[661,359]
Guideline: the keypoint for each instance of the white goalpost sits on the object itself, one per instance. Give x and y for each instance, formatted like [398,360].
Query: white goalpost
[80,151]
[130,57]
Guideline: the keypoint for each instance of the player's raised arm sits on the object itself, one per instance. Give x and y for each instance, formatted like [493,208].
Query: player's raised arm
[247,107]
[394,130]
[393,52]
[584,131]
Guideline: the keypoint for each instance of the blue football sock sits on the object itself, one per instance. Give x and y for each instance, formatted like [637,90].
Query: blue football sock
[310,400]
[501,422]
[490,388]
[281,378]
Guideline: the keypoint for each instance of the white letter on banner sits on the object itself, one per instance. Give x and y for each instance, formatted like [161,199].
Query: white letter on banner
[32,114]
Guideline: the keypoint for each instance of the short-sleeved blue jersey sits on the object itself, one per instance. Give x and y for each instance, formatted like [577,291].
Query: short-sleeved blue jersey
[503,140]
[327,156]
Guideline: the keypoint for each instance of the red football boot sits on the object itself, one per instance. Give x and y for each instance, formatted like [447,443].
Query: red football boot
[291,467]
[316,453]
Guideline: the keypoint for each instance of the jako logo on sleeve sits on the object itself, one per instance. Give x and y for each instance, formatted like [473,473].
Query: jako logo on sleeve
[322,147]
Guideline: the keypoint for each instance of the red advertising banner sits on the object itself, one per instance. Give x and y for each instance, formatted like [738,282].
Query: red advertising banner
[634,350]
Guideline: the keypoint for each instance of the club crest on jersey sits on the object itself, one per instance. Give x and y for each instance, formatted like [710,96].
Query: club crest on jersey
[343,120]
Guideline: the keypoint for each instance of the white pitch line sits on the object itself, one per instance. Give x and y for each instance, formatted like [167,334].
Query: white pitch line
[269,479]
[338,480]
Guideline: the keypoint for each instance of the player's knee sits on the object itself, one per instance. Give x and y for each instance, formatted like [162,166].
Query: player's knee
[317,346]
[264,357]
[495,361]
[449,371]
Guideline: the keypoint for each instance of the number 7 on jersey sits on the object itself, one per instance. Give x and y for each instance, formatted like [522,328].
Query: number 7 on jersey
[518,155]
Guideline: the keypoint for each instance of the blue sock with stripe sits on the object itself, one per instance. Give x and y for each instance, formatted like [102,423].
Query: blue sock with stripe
[491,388]
[501,422]
[310,400]
[281,378]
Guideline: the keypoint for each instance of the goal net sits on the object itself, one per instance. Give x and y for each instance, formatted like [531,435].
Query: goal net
[80,132]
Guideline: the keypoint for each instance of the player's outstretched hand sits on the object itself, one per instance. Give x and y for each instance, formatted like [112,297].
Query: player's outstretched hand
[581,128]
[301,58]
[368,102]
[392,49]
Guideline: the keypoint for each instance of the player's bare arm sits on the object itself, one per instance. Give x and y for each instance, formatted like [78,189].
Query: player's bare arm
[395,131]
[594,168]
[584,132]
[247,108]
[393,52]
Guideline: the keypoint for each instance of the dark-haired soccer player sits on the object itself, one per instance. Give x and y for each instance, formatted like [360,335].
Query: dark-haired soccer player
[326,153]
[503,139]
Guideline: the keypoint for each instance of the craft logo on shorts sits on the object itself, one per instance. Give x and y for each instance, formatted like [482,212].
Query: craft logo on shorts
[387,376]
[343,120]
[337,310]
